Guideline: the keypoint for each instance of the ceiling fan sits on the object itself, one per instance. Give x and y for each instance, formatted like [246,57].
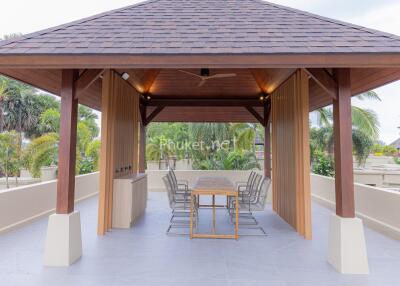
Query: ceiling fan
[205,75]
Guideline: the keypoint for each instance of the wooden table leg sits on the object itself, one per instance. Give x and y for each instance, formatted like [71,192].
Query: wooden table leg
[191,216]
[237,218]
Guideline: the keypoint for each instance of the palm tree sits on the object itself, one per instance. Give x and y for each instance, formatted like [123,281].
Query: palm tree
[42,151]
[245,134]
[157,149]
[207,135]
[365,129]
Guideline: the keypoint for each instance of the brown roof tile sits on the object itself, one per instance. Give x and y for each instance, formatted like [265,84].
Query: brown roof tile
[204,26]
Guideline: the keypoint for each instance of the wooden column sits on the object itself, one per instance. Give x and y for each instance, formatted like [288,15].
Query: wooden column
[119,140]
[142,149]
[267,141]
[343,143]
[67,145]
[291,157]
[142,138]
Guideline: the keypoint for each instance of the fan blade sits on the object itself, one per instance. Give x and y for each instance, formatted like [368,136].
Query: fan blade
[203,81]
[190,73]
[223,75]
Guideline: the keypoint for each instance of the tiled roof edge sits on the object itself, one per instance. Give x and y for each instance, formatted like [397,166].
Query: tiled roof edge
[334,21]
[66,25]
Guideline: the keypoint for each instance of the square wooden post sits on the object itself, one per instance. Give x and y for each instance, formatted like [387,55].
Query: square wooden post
[142,143]
[347,250]
[63,241]
[67,145]
[142,149]
[343,143]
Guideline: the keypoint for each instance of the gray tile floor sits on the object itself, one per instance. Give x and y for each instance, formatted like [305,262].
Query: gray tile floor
[146,256]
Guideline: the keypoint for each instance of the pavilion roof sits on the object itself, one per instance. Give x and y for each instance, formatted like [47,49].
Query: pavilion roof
[203,27]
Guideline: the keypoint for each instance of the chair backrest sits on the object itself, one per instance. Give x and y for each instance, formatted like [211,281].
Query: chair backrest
[262,194]
[255,186]
[169,188]
[250,180]
[172,175]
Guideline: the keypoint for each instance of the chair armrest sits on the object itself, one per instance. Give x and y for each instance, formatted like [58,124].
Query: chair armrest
[182,187]
[240,184]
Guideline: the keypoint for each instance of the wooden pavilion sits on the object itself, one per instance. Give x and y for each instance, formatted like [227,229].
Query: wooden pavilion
[260,62]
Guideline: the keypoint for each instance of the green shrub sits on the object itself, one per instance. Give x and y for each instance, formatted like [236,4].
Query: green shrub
[323,164]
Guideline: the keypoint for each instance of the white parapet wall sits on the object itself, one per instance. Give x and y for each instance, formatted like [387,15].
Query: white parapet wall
[22,205]
[378,208]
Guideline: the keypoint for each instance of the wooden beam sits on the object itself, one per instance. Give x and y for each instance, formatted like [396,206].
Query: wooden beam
[256,115]
[204,102]
[67,145]
[86,79]
[372,60]
[324,80]
[153,114]
[342,126]
[267,140]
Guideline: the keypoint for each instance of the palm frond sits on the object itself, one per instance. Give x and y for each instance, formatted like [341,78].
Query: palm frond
[324,117]
[370,95]
[366,120]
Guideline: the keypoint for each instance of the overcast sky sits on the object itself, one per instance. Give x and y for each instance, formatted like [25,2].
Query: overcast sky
[25,16]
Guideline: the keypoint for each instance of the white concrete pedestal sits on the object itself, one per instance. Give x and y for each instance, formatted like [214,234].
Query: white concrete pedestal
[63,242]
[346,249]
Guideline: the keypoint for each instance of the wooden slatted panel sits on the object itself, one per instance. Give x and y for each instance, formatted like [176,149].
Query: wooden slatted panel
[119,137]
[290,149]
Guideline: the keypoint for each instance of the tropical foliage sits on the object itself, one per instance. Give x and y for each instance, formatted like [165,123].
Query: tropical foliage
[210,146]
[9,160]
[30,122]
[384,150]
[365,134]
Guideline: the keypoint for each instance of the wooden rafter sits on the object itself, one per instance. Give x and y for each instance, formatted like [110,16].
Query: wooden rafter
[324,80]
[86,79]
[257,116]
[153,114]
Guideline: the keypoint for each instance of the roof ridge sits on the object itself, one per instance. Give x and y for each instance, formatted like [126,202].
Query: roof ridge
[327,19]
[69,24]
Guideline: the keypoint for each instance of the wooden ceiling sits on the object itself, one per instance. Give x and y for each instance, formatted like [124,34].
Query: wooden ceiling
[175,84]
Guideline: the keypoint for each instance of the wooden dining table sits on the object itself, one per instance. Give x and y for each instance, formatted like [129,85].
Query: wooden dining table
[214,186]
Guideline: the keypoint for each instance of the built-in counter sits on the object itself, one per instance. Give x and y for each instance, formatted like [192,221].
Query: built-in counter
[129,200]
